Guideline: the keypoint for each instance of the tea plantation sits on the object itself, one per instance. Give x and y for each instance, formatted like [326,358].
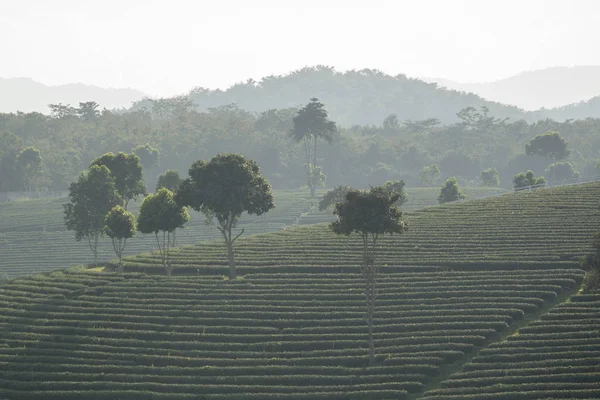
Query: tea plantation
[31,231]
[478,300]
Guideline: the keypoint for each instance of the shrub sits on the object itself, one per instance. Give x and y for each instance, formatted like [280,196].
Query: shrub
[489,177]
[525,179]
[450,192]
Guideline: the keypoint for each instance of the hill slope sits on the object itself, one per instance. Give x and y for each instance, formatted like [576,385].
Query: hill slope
[362,97]
[279,334]
[548,227]
[27,95]
[532,90]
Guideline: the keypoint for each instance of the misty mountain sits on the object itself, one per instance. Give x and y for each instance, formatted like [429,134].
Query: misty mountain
[364,97]
[532,90]
[27,95]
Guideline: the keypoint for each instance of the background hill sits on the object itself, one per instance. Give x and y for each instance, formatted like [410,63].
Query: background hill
[27,95]
[532,90]
[362,97]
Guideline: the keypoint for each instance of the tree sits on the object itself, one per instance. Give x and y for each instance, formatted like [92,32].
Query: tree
[396,188]
[29,162]
[310,125]
[527,179]
[550,145]
[391,124]
[371,214]
[91,197]
[450,192]
[336,195]
[88,111]
[223,189]
[161,213]
[169,179]
[430,174]
[489,177]
[561,171]
[119,226]
[127,170]
[149,156]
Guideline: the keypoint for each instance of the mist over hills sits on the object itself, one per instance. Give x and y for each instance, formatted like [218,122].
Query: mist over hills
[356,97]
[27,95]
[533,90]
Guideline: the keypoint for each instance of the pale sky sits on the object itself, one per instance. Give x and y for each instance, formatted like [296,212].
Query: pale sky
[167,47]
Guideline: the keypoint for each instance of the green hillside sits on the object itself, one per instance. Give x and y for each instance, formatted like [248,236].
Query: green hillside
[479,300]
[31,231]
[267,336]
[548,227]
[555,357]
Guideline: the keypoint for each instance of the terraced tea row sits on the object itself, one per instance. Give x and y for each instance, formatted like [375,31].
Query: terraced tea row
[292,336]
[25,238]
[556,357]
[551,227]
[31,231]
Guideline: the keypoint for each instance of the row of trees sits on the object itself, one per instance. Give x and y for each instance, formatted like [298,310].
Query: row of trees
[223,188]
[177,135]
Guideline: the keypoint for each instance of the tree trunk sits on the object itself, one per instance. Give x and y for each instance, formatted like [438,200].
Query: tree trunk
[231,260]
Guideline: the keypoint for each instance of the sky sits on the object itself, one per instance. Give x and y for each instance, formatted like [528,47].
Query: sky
[167,47]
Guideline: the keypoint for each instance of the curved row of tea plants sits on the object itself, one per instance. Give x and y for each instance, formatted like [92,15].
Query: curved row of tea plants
[265,336]
[31,231]
[556,357]
[551,227]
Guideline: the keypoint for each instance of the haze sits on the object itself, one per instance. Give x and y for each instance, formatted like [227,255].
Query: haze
[168,47]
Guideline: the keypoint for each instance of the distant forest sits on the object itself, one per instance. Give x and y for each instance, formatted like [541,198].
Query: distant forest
[389,128]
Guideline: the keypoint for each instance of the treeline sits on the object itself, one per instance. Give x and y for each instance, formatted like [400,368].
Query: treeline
[41,152]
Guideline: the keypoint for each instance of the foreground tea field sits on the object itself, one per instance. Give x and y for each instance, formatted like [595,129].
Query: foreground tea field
[551,227]
[31,231]
[556,357]
[266,336]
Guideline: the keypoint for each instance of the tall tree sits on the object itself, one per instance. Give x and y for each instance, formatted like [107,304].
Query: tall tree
[119,226]
[127,171]
[309,126]
[371,214]
[223,189]
[550,145]
[88,111]
[160,213]
[91,197]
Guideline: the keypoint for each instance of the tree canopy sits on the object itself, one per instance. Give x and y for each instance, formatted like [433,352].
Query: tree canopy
[450,192]
[224,188]
[169,180]
[119,225]
[160,212]
[127,171]
[549,144]
[527,179]
[91,197]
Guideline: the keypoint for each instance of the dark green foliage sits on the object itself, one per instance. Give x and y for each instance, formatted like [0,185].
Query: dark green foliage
[527,179]
[549,144]
[169,180]
[489,177]
[127,171]
[450,192]
[161,213]
[29,163]
[91,197]
[119,225]
[223,189]
[336,195]
[560,171]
